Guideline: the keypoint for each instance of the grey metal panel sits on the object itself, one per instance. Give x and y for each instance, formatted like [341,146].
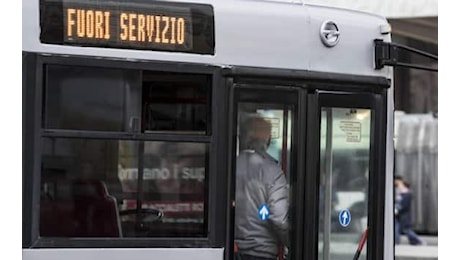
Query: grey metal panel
[388,8]
[123,254]
[262,34]
[354,54]
[258,34]
[389,209]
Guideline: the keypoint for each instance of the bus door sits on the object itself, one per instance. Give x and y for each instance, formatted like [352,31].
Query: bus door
[330,149]
[350,184]
[265,176]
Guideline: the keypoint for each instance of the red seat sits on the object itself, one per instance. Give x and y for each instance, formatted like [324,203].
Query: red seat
[89,211]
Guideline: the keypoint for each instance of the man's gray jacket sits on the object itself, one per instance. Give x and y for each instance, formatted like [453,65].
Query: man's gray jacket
[260,180]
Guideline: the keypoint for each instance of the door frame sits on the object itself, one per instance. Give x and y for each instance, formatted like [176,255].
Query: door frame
[377,165]
[269,94]
[308,85]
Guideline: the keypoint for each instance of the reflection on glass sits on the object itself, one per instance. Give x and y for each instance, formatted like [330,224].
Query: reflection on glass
[83,98]
[92,188]
[175,102]
[103,99]
[343,190]
[173,181]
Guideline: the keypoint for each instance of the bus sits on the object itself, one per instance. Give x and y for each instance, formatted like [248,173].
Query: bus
[132,113]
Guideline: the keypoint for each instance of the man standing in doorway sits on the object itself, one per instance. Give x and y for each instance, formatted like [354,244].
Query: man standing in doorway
[262,195]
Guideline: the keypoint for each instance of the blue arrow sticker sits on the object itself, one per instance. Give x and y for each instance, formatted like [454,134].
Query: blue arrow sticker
[264,212]
[344,217]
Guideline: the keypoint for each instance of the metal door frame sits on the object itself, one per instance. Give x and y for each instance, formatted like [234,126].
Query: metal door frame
[377,167]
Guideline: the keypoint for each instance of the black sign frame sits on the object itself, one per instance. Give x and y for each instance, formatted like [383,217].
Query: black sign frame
[198,34]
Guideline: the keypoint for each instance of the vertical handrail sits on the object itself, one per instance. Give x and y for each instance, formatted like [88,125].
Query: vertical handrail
[284,160]
[285,136]
[328,186]
[361,245]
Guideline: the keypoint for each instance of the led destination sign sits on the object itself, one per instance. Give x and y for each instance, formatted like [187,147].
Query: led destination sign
[134,25]
[127,28]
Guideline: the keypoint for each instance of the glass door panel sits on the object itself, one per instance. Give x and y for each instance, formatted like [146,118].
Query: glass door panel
[263,171]
[344,181]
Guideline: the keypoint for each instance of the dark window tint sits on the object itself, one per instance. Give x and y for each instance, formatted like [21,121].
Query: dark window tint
[88,98]
[120,188]
[176,102]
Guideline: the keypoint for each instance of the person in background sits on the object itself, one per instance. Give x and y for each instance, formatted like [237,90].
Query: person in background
[403,216]
[260,181]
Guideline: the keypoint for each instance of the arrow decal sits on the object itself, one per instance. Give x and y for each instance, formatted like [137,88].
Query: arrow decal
[344,218]
[264,212]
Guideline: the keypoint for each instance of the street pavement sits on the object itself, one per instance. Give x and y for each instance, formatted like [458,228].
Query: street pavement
[404,251]
[343,247]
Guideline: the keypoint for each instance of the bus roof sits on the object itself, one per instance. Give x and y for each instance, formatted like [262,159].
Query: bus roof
[255,33]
